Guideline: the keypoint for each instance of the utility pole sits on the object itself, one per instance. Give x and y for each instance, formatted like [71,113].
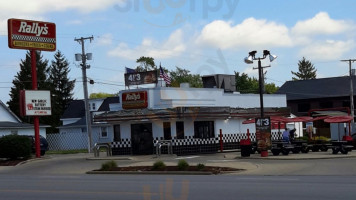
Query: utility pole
[85,88]
[350,61]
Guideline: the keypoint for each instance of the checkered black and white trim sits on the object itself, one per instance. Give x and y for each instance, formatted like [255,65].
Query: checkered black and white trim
[33,38]
[124,143]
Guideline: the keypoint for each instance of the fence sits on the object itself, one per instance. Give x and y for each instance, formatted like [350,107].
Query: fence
[67,141]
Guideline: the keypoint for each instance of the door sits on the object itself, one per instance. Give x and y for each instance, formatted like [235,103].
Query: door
[142,139]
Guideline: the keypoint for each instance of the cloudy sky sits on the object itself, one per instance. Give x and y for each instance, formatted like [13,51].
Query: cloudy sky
[205,37]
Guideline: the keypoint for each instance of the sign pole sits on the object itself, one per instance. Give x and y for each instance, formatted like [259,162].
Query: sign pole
[35,118]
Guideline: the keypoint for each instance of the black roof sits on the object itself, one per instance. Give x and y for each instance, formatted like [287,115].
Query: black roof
[76,109]
[317,88]
[109,100]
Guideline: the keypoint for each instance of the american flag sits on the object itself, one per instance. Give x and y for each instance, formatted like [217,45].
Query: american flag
[165,76]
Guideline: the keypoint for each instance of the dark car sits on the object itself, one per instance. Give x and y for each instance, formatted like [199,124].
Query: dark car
[43,144]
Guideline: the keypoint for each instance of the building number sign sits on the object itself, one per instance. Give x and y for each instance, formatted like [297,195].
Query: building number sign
[263,133]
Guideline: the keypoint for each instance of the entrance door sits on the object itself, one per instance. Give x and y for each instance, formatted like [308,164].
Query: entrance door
[141,139]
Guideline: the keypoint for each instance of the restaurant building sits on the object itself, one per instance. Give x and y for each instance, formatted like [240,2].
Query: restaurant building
[190,119]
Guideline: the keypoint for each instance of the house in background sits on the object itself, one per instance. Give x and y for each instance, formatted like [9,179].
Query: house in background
[11,124]
[326,96]
[73,132]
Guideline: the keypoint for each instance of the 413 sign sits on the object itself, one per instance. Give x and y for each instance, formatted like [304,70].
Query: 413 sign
[263,121]
[263,133]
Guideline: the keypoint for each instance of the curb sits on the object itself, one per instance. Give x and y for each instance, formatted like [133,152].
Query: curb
[301,158]
[151,172]
[109,158]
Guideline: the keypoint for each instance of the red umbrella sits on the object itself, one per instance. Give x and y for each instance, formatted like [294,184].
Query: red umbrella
[297,119]
[338,119]
[318,118]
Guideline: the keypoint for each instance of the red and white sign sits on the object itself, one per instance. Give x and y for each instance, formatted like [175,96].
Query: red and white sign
[35,102]
[134,100]
[27,34]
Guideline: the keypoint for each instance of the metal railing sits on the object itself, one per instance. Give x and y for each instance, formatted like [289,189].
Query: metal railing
[161,143]
[97,147]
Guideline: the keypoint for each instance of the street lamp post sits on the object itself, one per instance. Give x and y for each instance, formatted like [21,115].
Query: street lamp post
[263,125]
[249,60]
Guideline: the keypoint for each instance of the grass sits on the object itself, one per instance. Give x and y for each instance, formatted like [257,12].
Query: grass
[67,151]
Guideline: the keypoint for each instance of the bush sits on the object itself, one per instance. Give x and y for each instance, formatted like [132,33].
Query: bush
[159,165]
[15,146]
[200,166]
[109,165]
[183,165]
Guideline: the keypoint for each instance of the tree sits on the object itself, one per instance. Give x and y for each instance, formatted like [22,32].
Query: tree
[146,64]
[23,81]
[306,70]
[61,89]
[246,84]
[183,76]
[101,95]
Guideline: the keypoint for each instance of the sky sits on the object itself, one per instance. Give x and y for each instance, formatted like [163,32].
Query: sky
[205,37]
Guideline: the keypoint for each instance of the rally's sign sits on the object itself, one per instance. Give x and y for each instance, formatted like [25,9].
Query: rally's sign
[35,103]
[134,100]
[27,34]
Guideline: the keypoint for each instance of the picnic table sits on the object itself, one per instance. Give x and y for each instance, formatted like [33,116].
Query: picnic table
[280,146]
[340,145]
[300,146]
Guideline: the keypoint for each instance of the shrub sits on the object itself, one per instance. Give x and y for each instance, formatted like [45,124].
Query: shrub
[109,165]
[159,165]
[183,165]
[15,146]
[200,166]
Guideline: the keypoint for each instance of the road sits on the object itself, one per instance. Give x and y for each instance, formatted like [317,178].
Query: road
[147,187]
[63,177]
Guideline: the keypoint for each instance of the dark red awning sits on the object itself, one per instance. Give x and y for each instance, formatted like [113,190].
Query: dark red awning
[338,119]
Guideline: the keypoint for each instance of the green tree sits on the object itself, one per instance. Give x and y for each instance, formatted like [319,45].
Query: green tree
[100,95]
[23,81]
[306,70]
[271,88]
[183,76]
[246,84]
[146,64]
[61,89]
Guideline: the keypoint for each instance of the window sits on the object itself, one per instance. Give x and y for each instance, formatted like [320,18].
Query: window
[167,130]
[180,130]
[303,107]
[204,129]
[104,132]
[93,106]
[117,133]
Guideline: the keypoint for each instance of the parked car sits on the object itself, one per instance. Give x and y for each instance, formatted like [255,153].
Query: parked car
[43,144]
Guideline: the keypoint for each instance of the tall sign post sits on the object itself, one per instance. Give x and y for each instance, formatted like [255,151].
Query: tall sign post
[32,35]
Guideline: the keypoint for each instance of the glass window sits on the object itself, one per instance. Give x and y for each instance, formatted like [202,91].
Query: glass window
[204,129]
[104,132]
[117,133]
[167,130]
[93,106]
[180,130]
